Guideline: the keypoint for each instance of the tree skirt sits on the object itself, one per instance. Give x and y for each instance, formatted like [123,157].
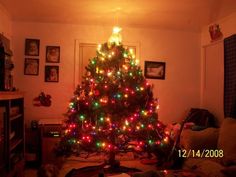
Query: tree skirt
[94,171]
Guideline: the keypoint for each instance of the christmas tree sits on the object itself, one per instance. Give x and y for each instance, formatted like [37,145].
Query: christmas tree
[113,110]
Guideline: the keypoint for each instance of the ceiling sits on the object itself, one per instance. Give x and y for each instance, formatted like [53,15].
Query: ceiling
[188,15]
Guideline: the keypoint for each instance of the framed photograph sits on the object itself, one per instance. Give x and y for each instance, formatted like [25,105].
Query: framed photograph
[31,66]
[51,73]
[155,70]
[32,47]
[52,54]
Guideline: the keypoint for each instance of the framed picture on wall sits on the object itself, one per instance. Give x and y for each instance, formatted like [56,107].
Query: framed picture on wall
[51,73]
[155,70]
[52,54]
[31,66]
[32,47]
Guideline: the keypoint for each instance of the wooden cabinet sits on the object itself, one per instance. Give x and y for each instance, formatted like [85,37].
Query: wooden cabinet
[12,134]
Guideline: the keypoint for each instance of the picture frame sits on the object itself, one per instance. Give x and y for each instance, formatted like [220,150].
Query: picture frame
[31,66]
[53,54]
[51,73]
[32,47]
[155,70]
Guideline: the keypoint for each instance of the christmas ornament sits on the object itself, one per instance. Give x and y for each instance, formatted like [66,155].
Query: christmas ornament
[113,107]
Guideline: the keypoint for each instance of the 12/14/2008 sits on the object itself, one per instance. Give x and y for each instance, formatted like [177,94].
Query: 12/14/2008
[205,153]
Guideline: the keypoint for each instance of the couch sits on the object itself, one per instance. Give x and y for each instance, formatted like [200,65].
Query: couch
[212,150]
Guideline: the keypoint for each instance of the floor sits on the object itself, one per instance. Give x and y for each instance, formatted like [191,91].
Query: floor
[72,163]
[30,172]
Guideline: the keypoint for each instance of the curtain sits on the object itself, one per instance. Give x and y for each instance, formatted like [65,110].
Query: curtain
[230,76]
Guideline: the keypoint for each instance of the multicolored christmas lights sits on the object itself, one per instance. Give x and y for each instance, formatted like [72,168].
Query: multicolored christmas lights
[114,105]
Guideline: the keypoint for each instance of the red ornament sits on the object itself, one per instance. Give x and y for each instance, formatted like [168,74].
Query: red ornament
[96,92]
[117,52]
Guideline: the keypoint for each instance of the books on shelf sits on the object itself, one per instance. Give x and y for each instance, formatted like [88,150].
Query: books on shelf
[12,134]
[14,111]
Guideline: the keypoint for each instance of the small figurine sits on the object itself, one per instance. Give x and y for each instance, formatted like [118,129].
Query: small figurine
[215,32]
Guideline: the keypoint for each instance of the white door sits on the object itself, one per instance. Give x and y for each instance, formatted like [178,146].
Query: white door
[213,79]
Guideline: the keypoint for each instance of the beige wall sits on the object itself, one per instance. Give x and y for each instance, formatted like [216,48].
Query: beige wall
[5,22]
[216,63]
[180,50]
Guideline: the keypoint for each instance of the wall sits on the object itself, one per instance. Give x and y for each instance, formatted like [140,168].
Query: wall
[5,22]
[180,50]
[228,27]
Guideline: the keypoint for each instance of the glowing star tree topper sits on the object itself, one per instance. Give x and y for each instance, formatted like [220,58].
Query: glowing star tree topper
[116,36]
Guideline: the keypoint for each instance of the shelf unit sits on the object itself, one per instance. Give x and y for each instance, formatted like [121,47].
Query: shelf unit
[12,143]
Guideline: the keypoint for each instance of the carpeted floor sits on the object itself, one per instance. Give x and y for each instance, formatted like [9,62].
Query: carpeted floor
[101,170]
[75,164]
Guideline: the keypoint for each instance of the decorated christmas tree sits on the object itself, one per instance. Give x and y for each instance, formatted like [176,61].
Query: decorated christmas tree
[113,110]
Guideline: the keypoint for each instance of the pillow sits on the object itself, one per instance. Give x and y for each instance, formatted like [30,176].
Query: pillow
[150,173]
[198,127]
[198,140]
[226,141]
[229,171]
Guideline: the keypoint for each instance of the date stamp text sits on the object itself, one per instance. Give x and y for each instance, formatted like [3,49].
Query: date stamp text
[204,153]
